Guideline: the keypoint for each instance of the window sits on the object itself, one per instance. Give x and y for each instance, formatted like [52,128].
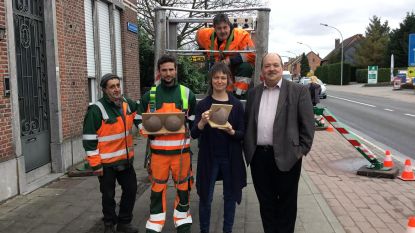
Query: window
[104,50]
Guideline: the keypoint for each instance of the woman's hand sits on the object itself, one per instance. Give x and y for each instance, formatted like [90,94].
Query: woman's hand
[229,129]
[204,119]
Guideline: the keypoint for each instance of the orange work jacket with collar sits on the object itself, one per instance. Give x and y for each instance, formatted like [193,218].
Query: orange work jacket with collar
[238,40]
[115,139]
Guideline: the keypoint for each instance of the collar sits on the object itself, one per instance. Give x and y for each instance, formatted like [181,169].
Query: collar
[276,86]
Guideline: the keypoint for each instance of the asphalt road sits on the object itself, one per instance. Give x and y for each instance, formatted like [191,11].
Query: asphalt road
[388,123]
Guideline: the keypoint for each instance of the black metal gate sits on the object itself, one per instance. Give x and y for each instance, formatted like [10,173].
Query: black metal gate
[32,81]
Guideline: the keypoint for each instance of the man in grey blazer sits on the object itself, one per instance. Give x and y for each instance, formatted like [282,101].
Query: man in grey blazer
[279,132]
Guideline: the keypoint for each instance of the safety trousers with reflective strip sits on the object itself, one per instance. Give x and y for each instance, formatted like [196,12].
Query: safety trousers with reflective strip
[115,141]
[161,165]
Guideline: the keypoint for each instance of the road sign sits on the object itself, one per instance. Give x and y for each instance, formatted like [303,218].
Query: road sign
[411,72]
[372,74]
[197,59]
[411,50]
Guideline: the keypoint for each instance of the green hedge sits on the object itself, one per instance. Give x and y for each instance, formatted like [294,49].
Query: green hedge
[361,75]
[334,71]
[322,73]
[383,74]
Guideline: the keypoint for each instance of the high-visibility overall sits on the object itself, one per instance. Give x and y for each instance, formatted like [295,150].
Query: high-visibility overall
[115,141]
[239,39]
[170,153]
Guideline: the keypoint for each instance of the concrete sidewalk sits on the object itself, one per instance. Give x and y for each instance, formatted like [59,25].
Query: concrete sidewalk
[73,205]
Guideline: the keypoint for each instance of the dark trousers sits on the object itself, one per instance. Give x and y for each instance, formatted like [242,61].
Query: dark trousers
[223,166]
[276,190]
[128,181]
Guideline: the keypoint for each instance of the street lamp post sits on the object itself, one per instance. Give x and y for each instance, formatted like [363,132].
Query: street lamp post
[341,62]
[305,45]
[295,55]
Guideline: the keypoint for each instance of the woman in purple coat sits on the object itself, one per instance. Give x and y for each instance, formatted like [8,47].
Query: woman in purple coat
[220,150]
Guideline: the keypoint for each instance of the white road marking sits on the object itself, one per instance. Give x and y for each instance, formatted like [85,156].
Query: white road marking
[407,114]
[389,110]
[352,101]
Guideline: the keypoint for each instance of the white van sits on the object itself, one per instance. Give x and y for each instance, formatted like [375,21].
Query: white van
[287,75]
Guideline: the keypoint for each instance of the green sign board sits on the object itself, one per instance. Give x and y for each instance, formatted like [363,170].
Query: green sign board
[372,74]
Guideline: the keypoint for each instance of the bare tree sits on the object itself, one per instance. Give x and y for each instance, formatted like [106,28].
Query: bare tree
[186,31]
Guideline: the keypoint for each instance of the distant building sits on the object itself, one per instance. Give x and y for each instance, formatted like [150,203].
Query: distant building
[349,49]
[294,64]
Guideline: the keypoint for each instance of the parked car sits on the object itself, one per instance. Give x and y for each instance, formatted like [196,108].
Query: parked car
[323,93]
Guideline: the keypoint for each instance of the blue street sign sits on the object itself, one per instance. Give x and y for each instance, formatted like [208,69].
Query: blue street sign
[411,50]
[132,27]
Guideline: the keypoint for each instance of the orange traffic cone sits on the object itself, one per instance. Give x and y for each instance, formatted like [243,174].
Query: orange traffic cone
[388,162]
[330,128]
[407,173]
[411,225]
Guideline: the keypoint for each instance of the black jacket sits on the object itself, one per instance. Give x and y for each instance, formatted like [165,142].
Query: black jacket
[205,157]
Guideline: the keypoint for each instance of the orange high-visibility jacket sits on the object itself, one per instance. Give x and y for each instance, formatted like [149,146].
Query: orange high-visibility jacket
[241,41]
[115,140]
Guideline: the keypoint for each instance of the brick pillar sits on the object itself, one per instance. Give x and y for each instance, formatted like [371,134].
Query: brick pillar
[130,51]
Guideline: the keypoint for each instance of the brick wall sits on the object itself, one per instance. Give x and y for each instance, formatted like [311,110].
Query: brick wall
[130,54]
[6,146]
[72,65]
[314,61]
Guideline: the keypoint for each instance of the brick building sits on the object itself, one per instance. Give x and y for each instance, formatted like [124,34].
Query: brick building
[52,56]
[294,64]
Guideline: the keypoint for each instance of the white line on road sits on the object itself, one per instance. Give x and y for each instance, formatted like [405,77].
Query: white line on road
[373,106]
[389,110]
[407,114]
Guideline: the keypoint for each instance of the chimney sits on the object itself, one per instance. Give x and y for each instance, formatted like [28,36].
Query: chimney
[336,43]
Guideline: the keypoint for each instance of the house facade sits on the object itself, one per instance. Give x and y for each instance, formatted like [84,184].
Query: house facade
[349,49]
[51,59]
[294,64]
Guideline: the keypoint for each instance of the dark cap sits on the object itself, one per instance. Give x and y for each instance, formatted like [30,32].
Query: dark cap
[106,78]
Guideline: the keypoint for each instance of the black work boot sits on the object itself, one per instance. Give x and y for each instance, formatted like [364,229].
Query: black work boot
[109,227]
[126,228]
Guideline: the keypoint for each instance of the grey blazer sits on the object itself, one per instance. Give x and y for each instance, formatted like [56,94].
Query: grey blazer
[293,125]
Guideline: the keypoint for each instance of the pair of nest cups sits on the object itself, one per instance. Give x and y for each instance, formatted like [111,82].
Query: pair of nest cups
[155,123]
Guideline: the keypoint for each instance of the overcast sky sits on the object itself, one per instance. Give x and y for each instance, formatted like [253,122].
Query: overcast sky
[295,21]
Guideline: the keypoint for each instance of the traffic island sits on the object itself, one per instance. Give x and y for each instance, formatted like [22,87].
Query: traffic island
[389,173]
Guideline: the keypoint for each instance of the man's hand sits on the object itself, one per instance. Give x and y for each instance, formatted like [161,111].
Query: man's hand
[99,172]
[226,61]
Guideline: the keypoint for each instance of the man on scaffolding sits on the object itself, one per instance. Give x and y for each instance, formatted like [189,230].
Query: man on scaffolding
[224,36]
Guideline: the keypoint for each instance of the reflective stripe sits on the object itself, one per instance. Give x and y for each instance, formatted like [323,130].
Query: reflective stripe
[240,79]
[92,152]
[115,154]
[158,217]
[184,93]
[140,126]
[103,111]
[89,137]
[170,142]
[154,226]
[138,117]
[191,118]
[183,221]
[178,214]
[113,137]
